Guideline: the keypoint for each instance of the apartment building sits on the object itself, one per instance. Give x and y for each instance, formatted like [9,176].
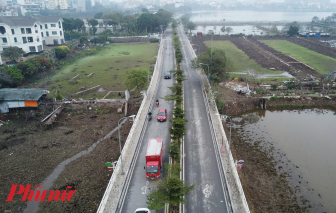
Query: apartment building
[30,34]
[51,30]
[58,4]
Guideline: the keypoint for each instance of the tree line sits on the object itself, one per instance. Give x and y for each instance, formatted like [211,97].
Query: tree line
[135,24]
[171,189]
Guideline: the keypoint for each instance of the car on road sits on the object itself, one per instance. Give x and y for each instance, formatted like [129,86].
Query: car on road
[142,210]
[162,115]
[167,75]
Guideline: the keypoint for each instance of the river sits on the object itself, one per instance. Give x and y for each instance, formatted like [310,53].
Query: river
[247,15]
[304,145]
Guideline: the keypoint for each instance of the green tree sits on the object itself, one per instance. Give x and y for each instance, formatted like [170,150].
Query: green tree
[93,22]
[98,15]
[220,66]
[223,29]
[147,21]
[229,30]
[191,26]
[170,189]
[293,30]
[16,75]
[136,78]
[61,51]
[185,19]
[78,24]
[6,79]
[12,53]
[315,19]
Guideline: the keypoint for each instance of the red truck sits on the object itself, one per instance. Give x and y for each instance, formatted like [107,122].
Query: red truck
[154,158]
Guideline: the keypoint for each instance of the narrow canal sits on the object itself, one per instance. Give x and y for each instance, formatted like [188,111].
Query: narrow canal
[303,142]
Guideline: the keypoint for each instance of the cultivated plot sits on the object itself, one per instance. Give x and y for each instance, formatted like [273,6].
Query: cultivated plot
[322,63]
[241,60]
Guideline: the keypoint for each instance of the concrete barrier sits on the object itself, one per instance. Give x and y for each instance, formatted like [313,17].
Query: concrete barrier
[118,183]
[236,192]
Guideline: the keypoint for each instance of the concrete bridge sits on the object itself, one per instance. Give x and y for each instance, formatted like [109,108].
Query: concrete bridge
[241,23]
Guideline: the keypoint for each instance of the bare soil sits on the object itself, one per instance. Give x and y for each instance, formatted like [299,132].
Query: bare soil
[29,152]
[266,188]
[261,53]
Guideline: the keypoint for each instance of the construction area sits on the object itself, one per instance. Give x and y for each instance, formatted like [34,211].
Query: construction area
[66,130]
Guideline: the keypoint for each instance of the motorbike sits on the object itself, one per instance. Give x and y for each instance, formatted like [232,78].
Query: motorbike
[157,104]
[149,116]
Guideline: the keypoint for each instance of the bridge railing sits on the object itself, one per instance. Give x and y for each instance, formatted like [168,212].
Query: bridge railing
[116,189]
[235,189]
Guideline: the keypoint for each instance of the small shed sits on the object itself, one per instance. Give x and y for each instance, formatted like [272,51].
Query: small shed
[18,98]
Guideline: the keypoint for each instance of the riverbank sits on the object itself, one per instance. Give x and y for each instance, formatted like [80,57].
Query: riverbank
[266,184]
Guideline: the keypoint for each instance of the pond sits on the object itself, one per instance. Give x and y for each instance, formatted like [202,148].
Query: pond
[303,142]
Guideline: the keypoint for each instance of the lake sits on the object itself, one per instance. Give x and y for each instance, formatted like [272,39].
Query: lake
[304,144]
[246,15]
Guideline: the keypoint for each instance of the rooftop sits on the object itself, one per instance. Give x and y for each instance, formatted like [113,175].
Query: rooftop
[25,21]
[15,94]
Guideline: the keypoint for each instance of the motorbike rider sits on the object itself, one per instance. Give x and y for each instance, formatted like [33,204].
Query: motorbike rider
[157,102]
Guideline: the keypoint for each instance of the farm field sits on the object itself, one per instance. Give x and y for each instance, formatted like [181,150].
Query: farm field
[322,63]
[241,61]
[109,67]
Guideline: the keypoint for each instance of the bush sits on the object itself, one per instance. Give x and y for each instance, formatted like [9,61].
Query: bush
[59,96]
[154,40]
[62,51]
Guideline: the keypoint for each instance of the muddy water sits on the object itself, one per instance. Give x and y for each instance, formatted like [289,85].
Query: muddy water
[304,145]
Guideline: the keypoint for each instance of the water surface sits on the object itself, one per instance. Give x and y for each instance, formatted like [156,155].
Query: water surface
[304,144]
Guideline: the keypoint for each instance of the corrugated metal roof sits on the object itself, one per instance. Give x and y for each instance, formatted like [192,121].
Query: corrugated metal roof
[16,94]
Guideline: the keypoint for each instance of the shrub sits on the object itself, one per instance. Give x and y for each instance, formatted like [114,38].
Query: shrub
[154,40]
[62,51]
[59,96]
[274,98]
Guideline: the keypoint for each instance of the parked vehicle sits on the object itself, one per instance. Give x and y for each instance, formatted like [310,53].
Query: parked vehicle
[162,115]
[142,210]
[154,158]
[167,75]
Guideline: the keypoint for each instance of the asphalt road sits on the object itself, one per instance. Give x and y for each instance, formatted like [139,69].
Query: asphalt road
[138,188]
[201,167]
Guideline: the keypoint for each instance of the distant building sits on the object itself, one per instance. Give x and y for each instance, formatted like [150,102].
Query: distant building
[30,34]
[20,98]
[58,4]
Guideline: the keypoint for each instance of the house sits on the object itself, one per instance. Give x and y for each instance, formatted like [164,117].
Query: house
[30,34]
[20,98]
[51,30]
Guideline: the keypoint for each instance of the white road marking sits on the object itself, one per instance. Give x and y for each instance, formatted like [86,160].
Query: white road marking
[207,191]
[144,188]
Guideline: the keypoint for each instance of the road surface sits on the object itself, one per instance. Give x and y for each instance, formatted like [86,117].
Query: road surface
[138,188]
[201,168]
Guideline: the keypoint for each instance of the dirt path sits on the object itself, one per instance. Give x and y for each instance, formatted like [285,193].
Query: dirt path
[29,152]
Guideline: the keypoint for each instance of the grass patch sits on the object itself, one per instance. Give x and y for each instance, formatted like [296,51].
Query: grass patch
[322,63]
[240,60]
[109,67]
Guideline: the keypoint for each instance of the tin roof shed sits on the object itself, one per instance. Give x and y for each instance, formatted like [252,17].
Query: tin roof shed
[17,98]
[16,94]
